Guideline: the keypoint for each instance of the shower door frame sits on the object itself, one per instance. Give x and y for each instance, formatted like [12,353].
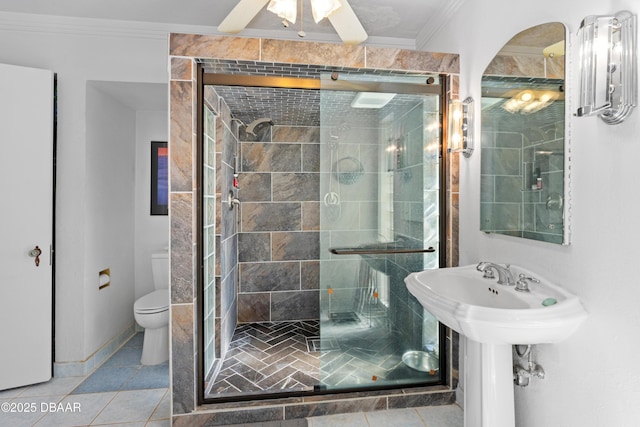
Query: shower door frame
[441,87]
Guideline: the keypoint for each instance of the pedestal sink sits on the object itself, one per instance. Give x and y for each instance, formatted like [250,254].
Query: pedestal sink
[494,317]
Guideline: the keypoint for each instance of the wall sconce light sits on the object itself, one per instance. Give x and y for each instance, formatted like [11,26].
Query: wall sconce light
[608,67]
[461,126]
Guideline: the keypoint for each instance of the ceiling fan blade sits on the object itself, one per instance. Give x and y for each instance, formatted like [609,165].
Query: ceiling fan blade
[241,15]
[347,24]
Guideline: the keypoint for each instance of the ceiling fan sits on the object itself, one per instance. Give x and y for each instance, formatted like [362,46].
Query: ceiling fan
[338,12]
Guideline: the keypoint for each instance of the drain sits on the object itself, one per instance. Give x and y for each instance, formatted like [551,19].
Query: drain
[319,344]
[345,317]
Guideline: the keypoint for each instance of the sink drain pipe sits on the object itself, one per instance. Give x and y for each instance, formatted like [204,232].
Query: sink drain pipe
[522,375]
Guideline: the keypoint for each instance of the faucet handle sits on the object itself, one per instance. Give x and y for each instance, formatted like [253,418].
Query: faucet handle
[522,276]
[522,285]
[487,272]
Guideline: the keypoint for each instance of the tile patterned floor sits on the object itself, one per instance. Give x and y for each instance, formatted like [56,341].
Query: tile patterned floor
[283,357]
[269,357]
[369,352]
[130,399]
[432,416]
[123,371]
[62,402]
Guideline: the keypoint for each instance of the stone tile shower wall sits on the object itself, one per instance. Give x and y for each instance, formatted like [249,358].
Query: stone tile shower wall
[184,51]
[221,230]
[279,229]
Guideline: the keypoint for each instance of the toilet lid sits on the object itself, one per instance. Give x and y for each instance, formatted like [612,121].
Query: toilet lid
[152,303]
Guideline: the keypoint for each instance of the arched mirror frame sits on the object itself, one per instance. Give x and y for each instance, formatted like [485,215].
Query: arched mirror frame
[525,169]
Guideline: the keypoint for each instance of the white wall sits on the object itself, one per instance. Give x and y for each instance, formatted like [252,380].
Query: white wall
[592,378]
[109,217]
[151,231]
[79,50]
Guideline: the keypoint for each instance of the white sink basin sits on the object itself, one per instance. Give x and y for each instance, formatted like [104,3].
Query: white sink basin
[487,312]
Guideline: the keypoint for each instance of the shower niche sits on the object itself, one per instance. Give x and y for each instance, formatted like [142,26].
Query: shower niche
[337,177]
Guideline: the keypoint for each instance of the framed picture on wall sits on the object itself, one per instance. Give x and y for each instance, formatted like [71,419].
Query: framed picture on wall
[159,178]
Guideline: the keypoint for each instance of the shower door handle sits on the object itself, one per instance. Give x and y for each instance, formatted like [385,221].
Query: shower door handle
[35,253]
[366,251]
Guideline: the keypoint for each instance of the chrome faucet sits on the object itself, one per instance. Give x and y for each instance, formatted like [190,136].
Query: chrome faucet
[505,277]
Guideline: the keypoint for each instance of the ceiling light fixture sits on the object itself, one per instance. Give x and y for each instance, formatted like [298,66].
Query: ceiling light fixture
[338,12]
[554,50]
[530,101]
[371,99]
[285,9]
[288,9]
[321,9]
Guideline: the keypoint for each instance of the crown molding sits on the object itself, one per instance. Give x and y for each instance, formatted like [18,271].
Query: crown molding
[437,21]
[92,27]
[391,42]
[52,24]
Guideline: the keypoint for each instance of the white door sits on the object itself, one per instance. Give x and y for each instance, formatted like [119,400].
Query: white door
[26,188]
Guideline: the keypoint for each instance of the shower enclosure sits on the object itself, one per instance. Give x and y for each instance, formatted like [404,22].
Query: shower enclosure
[321,192]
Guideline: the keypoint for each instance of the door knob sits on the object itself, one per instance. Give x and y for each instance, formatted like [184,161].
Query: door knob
[36,252]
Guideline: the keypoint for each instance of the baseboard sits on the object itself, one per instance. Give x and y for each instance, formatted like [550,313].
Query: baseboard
[82,368]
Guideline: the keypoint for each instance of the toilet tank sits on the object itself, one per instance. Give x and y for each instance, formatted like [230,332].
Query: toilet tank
[160,270]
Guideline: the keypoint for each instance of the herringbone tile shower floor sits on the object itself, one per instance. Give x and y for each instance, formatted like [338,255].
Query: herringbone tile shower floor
[290,357]
[270,356]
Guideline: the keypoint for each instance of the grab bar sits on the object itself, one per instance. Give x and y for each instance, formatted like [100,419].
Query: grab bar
[365,251]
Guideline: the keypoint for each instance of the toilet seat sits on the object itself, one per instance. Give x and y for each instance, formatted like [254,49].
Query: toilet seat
[155,302]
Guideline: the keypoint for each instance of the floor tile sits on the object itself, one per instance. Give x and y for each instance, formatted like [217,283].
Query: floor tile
[131,406]
[263,356]
[136,340]
[26,411]
[147,377]
[88,405]
[394,418]
[442,416]
[12,392]
[163,410]
[342,420]
[55,386]
[126,356]
[106,379]
[135,424]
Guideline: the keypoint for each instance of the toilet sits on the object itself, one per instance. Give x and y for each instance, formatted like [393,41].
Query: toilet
[151,311]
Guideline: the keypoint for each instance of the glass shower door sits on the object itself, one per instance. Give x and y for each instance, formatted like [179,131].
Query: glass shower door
[379,221]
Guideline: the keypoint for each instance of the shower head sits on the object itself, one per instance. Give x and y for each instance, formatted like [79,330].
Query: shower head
[251,126]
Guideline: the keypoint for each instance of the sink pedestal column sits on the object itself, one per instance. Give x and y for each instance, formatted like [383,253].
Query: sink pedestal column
[488,395]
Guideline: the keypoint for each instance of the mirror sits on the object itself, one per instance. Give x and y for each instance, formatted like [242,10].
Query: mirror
[524,162]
